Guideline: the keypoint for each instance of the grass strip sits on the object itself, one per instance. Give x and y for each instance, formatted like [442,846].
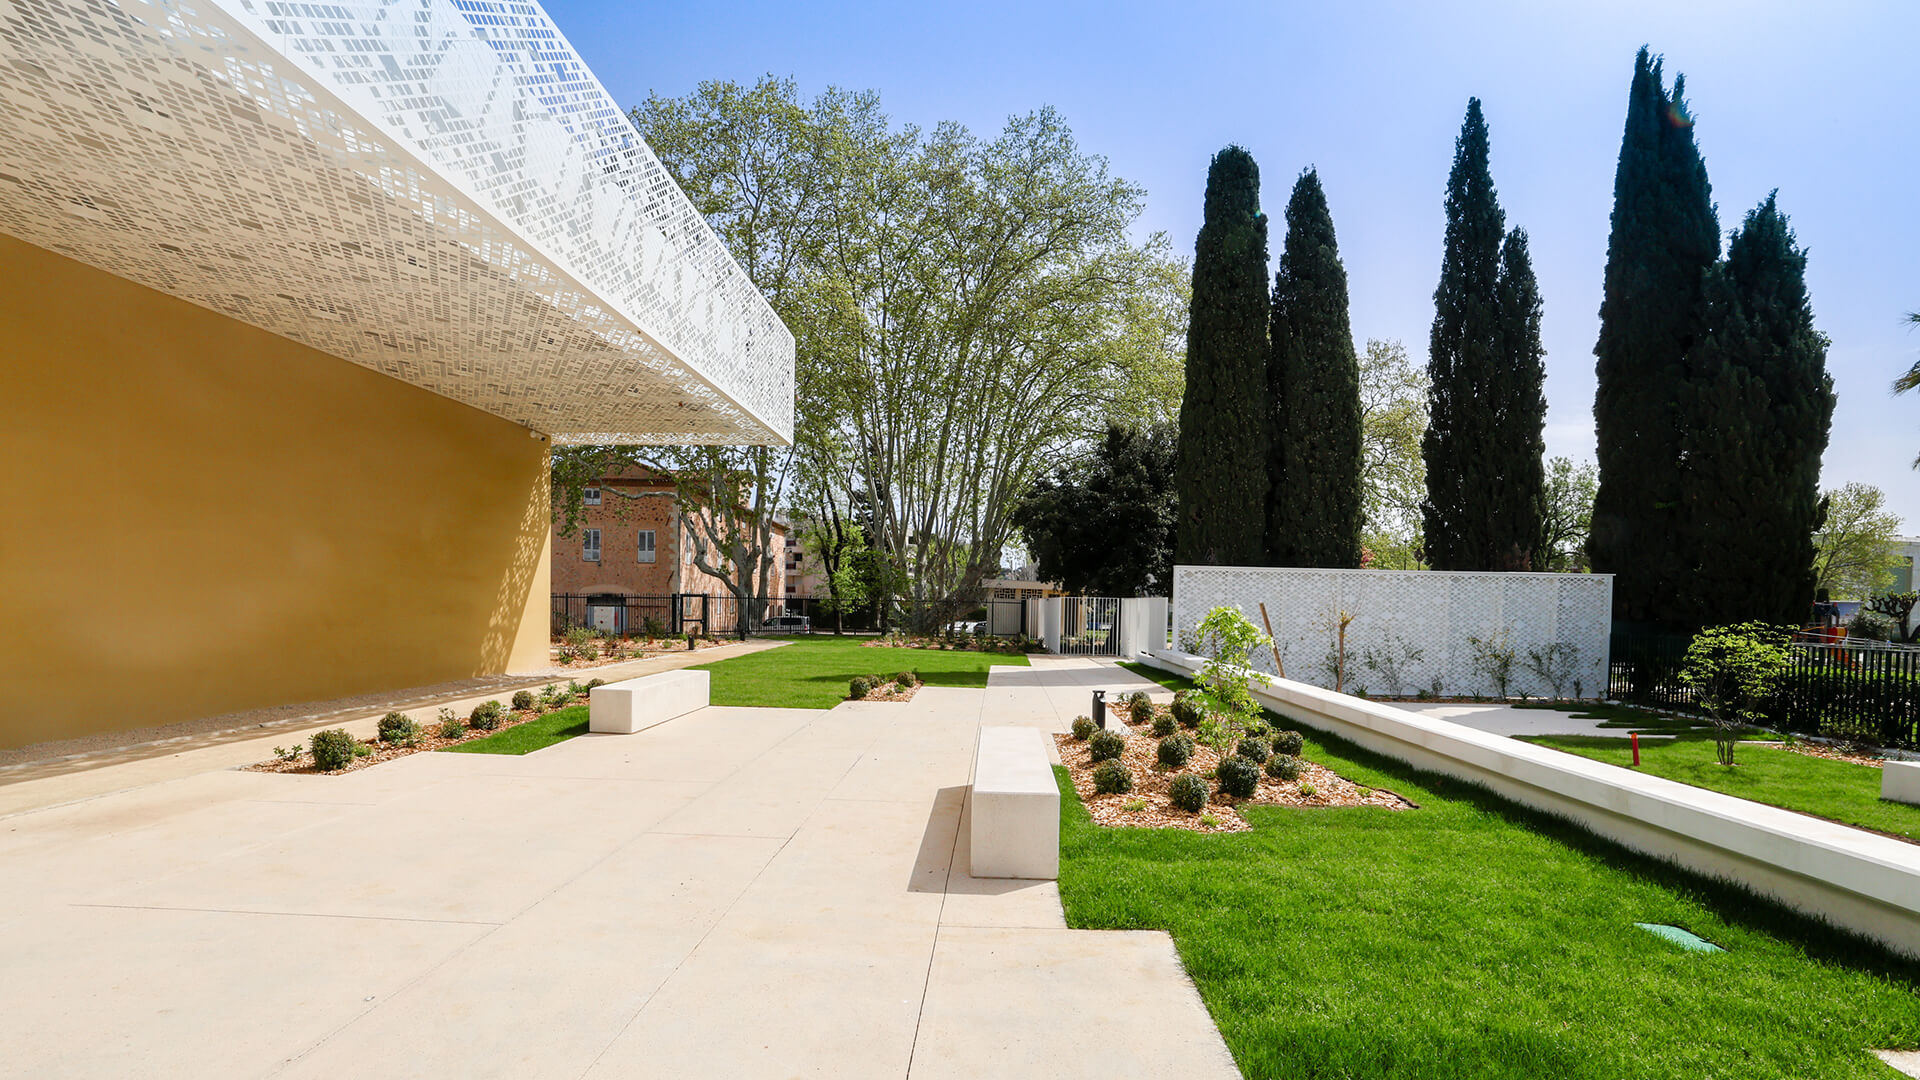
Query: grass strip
[813,672]
[543,731]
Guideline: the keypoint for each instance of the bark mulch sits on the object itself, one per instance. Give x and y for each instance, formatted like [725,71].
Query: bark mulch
[1151,780]
[1831,753]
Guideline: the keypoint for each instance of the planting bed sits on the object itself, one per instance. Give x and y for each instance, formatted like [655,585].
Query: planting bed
[1149,804]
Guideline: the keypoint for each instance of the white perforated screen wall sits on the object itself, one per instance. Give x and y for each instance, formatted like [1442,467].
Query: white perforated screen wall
[1398,613]
[437,189]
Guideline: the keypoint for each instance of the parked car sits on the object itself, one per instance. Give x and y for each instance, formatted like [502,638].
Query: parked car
[788,624]
[965,627]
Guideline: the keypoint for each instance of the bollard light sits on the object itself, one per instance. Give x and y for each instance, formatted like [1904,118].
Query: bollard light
[1100,709]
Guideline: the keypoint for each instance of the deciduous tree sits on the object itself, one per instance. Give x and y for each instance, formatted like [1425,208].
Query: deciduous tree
[1854,557]
[1393,419]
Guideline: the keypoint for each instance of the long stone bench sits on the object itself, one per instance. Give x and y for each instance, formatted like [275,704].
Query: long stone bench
[1016,806]
[631,705]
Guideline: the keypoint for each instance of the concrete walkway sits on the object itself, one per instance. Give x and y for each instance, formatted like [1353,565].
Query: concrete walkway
[1507,720]
[738,893]
[53,780]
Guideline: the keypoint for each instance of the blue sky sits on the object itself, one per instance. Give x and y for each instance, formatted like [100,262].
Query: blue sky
[1821,101]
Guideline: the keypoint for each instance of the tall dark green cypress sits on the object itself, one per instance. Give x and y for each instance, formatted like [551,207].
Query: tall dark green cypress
[1755,409]
[1314,511]
[1464,358]
[1519,538]
[1221,478]
[1665,240]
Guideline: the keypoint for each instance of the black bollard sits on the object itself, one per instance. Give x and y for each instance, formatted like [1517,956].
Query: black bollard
[1100,709]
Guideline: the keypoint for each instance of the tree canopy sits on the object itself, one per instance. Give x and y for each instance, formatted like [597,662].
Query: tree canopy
[1393,419]
[1104,525]
[1853,556]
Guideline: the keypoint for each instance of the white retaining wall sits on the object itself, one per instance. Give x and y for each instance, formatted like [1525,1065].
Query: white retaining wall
[1432,611]
[1848,877]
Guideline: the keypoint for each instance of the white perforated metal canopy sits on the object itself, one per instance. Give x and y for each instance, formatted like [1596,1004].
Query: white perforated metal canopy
[436,189]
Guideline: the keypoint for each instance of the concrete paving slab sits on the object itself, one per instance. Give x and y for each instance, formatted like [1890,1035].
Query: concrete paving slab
[1002,902]
[115,992]
[1507,720]
[995,999]
[543,995]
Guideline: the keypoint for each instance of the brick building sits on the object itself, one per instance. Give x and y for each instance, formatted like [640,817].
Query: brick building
[631,556]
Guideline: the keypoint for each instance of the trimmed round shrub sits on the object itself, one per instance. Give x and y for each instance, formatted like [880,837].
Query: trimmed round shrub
[332,749]
[1106,745]
[1140,707]
[1239,778]
[1256,729]
[1288,743]
[487,715]
[398,727]
[523,700]
[859,687]
[1163,725]
[1188,712]
[1083,728]
[1175,751]
[1112,778]
[1283,767]
[1254,750]
[907,679]
[452,727]
[591,683]
[1188,792]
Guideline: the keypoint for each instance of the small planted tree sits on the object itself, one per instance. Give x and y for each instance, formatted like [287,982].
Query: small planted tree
[1554,664]
[1734,669]
[1226,638]
[1493,656]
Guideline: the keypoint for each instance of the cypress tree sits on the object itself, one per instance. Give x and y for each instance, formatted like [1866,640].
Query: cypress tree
[1757,407]
[1314,512]
[1665,239]
[1519,540]
[1463,361]
[1221,479]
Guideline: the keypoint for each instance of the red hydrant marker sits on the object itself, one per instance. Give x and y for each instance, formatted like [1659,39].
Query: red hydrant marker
[1635,736]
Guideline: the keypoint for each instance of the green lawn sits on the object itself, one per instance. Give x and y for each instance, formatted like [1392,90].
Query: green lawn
[555,727]
[1828,789]
[1166,679]
[813,672]
[1470,938]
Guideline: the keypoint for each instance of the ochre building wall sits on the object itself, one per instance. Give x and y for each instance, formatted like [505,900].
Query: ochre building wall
[202,517]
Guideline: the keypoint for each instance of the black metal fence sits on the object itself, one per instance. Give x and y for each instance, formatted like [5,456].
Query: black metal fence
[1864,692]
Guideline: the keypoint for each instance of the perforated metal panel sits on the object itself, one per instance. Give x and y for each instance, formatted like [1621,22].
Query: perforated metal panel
[1400,612]
[437,189]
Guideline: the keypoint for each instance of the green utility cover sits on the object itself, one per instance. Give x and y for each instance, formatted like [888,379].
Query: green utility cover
[1683,938]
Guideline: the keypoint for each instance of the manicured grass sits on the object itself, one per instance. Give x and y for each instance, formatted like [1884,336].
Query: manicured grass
[1830,789]
[555,727]
[1469,938]
[1166,679]
[813,672]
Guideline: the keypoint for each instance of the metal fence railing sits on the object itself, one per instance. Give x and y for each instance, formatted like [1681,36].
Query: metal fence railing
[1865,691]
[718,614]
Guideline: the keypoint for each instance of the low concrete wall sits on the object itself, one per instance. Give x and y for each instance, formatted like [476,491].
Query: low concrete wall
[1851,878]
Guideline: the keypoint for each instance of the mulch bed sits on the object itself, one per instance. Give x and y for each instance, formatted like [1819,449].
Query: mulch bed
[1823,750]
[429,740]
[1151,782]
[627,651]
[941,645]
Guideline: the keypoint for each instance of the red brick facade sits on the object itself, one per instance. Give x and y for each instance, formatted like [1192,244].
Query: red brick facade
[634,511]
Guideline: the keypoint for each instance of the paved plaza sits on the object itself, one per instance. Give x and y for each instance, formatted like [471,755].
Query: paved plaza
[742,892]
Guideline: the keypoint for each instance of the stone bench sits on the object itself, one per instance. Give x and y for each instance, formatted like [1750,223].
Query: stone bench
[631,705]
[1900,781]
[1016,806]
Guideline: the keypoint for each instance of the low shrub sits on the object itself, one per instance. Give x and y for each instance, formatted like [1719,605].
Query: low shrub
[591,683]
[1239,778]
[1283,767]
[859,687]
[562,698]
[1175,751]
[1112,778]
[451,726]
[523,700]
[1188,792]
[549,693]
[1288,743]
[398,727]
[1256,729]
[1163,725]
[1140,707]
[332,749]
[1083,727]
[907,679]
[1106,745]
[1214,734]
[1254,750]
[1308,791]
[1188,712]
[486,716]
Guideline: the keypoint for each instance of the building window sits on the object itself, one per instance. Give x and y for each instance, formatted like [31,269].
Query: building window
[792,589]
[646,545]
[590,545]
[592,496]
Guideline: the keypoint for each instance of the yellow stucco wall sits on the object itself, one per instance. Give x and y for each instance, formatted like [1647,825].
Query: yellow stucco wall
[201,517]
